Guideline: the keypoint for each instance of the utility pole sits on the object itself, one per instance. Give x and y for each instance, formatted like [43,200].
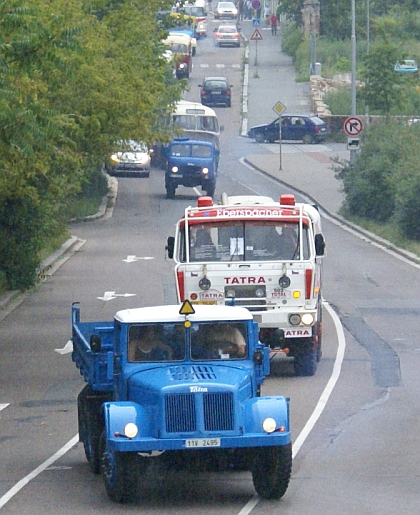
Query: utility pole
[353,70]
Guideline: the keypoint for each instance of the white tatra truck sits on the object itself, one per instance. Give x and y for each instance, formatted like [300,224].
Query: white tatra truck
[262,254]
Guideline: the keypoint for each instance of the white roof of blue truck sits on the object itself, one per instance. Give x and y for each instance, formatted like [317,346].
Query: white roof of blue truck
[171,313]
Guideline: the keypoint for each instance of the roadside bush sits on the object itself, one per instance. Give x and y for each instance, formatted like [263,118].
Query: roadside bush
[383,185]
[292,37]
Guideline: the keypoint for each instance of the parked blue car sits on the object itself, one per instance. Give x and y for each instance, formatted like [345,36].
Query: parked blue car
[191,163]
[309,129]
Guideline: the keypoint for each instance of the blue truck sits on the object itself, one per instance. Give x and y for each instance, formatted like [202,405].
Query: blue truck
[191,163]
[179,386]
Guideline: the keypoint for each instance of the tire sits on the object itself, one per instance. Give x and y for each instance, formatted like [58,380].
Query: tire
[170,191]
[271,471]
[229,103]
[120,472]
[305,362]
[210,189]
[90,426]
[308,139]
[259,137]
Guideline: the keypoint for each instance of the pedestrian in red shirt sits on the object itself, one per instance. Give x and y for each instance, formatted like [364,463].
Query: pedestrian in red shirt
[273,23]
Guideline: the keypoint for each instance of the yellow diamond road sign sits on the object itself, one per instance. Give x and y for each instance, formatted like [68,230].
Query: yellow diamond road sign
[279,108]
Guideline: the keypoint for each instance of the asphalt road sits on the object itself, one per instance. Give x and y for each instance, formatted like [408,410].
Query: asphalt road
[354,423]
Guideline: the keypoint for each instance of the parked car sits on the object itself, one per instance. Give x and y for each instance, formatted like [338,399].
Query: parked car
[131,159]
[216,91]
[407,67]
[191,163]
[227,34]
[309,129]
[226,10]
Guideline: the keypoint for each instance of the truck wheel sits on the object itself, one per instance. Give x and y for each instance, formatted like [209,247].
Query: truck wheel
[90,427]
[271,471]
[120,472]
[210,189]
[170,191]
[259,137]
[305,362]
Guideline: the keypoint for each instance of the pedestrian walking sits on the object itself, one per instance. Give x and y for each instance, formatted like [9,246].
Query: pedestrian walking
[273,24]
[266,15]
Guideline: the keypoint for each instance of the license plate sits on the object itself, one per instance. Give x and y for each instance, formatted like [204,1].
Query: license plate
[202,442]
[207,302]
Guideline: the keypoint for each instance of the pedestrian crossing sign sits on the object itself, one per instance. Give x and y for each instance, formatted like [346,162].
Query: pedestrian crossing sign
[256,36]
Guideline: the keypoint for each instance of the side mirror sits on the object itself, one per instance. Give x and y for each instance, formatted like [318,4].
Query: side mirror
[319,245]
[170,245]
[95,343]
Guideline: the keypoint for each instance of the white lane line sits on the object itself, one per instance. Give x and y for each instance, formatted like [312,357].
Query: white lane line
[32,475]
[325,395]
[322,402]
[250,505]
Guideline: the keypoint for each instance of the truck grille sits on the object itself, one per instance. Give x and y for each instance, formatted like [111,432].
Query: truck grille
[185,413]
[246,296]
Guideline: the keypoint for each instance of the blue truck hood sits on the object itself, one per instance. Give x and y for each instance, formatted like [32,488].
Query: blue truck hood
[187,377]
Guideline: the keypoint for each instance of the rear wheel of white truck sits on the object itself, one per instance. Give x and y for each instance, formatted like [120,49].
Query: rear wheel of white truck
[271,471]
[305,362]
[120,472]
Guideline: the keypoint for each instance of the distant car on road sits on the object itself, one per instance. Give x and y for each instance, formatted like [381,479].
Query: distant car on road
[227,34]
[216,91]
[309,129]
[226,10]
[132,158]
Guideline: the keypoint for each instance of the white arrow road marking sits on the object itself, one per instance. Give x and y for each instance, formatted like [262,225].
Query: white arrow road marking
[132,259]
[110,295]
[3,406]
[68,347]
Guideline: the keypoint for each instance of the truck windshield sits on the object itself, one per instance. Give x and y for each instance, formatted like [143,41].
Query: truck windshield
[168,341]
[246,241]
[218,340]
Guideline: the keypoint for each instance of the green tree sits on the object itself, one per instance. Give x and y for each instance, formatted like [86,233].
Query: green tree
[381,86]
[75,77]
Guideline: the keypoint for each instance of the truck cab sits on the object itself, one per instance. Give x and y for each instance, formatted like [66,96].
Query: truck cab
[181,385]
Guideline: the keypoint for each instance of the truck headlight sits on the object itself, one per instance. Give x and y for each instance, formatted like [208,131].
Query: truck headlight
[205,171]
[307,319]
[131,430]
[174,169]
[269,425]
[294,319]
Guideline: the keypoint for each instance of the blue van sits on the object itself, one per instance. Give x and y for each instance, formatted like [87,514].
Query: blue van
[191,163]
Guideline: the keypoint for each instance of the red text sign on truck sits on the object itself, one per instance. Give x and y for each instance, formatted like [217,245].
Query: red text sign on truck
[264,255]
